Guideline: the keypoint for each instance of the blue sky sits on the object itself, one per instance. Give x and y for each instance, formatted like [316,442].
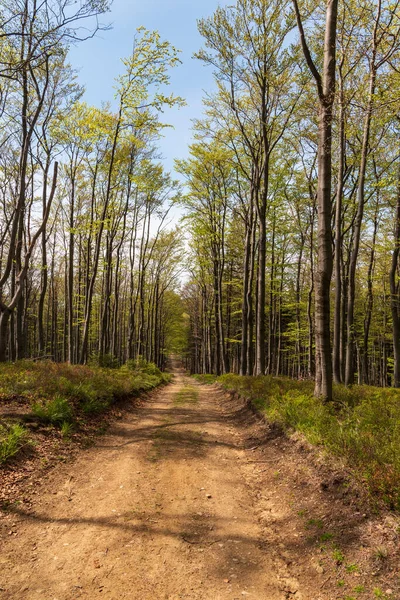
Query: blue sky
[98,60]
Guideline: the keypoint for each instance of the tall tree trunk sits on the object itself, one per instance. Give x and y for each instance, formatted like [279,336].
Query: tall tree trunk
[349,379]
[363,377]
[337,376]
[44,273]
[394,293]
[271,332]
[71,248]
[326,94]
[249,303]
[246,276]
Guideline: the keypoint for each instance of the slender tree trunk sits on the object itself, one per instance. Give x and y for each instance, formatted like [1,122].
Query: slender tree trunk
[326,94]
[246,275]
[337,376]
[71,248]
[357,233]
[298,348]
[271,332]
[4,319]
[249,303]
[364,376]
[394,293]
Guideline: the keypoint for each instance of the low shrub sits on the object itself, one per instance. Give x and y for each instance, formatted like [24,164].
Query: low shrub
[143,366]
[93,406]
[55,411]
[106,361]
[12,439]
[66,430]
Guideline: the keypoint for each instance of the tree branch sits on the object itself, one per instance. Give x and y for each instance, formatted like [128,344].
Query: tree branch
[307,53]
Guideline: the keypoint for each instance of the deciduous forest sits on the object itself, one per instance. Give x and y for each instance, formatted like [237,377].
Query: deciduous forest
[293,201]
[266,263]
[291,196]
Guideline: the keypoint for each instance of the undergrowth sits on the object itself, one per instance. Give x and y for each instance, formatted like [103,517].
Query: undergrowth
[13,437]
[206,378]
[362,425]
[55,411]
[62,395]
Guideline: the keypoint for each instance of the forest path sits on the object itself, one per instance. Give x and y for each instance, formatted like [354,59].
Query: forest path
[164,507]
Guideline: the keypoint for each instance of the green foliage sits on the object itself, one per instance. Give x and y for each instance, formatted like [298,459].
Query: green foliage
[55,411]
[140,364]
[325,537]
[208,379]
[59,393]
[12,439]
[104,360]
[144,375]
[94,405]
[66,430]
[378,593]
[362,424]
[177,325]
[338,556]
[352,568]
[359,589]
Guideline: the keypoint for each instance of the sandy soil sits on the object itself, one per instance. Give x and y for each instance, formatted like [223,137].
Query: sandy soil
[181,500]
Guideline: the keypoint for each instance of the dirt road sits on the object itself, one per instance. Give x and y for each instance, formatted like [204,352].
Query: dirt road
[166,506]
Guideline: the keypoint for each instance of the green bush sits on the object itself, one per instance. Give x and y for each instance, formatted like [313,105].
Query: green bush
[105,361]
[143,366]
[93,406]
[12,439]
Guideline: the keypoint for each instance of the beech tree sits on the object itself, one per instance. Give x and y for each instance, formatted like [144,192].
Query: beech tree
[325,84]
[33,39]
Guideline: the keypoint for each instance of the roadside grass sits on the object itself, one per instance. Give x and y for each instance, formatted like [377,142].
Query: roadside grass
[362,425]
[65,396]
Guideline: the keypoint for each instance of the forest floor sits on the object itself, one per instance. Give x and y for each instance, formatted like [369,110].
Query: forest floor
[193,496]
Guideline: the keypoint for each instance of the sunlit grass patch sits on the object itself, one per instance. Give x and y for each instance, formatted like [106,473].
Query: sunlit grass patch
[64,395]
[187,395]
